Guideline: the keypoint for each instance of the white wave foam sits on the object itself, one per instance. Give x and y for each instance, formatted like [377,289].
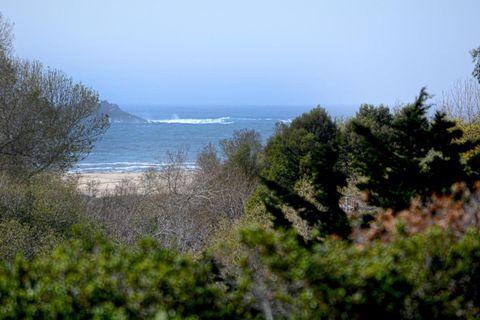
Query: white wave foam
[123,166]
[221,120]
[121,163]
[253,119]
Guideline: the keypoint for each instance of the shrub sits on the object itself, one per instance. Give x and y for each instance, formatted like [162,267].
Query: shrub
[429,275]
[178,207]
[78,281]
[35,215]
[30,240]
[456,213]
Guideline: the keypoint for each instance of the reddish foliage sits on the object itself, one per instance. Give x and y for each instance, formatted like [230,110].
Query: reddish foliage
[456,213]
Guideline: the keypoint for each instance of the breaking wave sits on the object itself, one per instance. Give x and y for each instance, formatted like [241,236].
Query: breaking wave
[123,166]
[221,120]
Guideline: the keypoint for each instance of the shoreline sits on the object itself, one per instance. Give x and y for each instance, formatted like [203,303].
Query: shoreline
[105,181]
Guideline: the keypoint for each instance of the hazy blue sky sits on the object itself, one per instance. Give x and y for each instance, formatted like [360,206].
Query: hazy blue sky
[251,51]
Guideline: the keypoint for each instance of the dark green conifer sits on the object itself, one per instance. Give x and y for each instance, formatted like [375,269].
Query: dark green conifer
[421,157]
[326,180]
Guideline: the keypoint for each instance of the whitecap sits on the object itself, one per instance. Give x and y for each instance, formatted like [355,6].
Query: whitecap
[175,120]
[119,163]
[124,166]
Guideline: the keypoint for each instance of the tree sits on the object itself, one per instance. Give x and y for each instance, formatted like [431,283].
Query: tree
[208,161]
[422,157]
[309,149]
[47,122]
[324,212]
[289,150]
[6,35]
[462,101]
[476,60]
[378,118]
[243,152]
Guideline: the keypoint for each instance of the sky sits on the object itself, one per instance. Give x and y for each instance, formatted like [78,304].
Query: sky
[297,52]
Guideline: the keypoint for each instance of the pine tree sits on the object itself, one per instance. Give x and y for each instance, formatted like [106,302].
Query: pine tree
[421,157]
[326,180]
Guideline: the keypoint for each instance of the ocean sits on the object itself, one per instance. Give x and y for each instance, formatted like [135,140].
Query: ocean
[137,147]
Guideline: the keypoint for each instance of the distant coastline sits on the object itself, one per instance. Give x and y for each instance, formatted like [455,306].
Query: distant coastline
[134,145]
[117,115]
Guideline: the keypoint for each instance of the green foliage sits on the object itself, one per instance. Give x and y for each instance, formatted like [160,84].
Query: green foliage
[378,119]
[307,148]
[326,180]
[16,236]
[47,121]
[471,133]
[428,276]
[418,156]
[79,281]
[288,152]
[243,152]
[35,215]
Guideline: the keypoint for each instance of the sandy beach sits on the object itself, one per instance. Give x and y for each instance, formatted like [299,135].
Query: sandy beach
[106,181]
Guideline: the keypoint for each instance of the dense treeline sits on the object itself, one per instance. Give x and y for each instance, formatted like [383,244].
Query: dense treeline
[274,231]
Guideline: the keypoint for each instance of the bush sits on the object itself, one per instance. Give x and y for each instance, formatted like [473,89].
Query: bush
[471,134]
[35,215]
[456,213]
[28,239]
[178,207]
[429,275]
[79,281]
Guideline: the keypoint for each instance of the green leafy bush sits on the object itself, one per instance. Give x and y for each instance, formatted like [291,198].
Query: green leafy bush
[36,215]
[427,276]
[79,281]
[431,275]
[16,237]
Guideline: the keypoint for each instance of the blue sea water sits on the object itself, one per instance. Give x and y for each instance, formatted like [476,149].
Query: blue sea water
[137,147]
